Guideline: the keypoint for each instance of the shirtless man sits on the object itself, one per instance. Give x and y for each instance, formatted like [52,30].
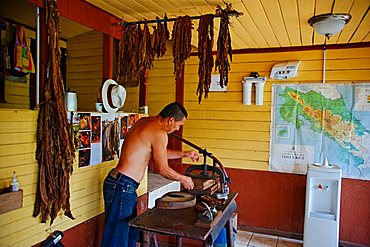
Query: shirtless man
[147,138]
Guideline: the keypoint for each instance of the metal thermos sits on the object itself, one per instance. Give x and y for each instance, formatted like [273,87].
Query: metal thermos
[71,101]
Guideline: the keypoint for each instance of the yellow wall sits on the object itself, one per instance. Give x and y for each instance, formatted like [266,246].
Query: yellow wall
[162,85]
[161,89]
[17,94]
[239,135]
[84,68]
[17,153]
[132,100]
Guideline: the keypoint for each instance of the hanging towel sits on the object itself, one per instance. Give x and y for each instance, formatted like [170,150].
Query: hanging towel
[23,61]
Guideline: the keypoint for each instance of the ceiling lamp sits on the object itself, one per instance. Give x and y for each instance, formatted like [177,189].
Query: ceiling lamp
[329,24]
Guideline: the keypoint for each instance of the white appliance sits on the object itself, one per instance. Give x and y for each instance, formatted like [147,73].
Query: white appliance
[321,223]
[71,101]
[282,71]
[247,89]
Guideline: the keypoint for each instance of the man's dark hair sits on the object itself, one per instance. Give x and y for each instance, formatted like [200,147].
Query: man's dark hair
[175,110]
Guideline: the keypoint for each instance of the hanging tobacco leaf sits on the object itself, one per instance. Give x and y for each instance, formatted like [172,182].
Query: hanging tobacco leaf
[224,44]
[181,43]
[205,44]
[54,151]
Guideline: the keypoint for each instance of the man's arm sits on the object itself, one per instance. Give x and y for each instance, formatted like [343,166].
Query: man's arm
[160,159]
[177,154]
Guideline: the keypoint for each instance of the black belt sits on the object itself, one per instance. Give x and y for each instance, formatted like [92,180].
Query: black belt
[115,174]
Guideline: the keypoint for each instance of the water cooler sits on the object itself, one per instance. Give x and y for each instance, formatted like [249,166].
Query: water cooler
[321,223]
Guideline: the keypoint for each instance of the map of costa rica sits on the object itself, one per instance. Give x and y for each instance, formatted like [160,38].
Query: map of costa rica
[311,122]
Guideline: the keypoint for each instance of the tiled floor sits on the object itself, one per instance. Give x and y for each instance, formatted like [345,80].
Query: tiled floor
[250,239]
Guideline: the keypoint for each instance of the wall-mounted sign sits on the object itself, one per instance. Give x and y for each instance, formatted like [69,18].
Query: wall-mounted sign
[215,84]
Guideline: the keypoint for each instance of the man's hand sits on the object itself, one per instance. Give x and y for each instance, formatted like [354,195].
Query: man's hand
[192,154]
[187,182]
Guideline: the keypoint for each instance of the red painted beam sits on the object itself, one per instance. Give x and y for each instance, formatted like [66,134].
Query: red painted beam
[107,57]
[87,14]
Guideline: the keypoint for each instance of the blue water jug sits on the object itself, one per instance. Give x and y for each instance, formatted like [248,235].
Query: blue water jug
[221,240]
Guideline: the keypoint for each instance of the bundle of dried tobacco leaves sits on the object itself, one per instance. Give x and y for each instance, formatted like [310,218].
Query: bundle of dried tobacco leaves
[137,50]
[54,151]
[181,44]
[205,44]
[224,44]
[159,38]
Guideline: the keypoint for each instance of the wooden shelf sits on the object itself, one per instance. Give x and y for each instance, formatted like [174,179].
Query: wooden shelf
[10,200]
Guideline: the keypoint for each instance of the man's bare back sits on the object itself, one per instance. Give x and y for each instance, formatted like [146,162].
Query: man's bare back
[148,138]
[136,150]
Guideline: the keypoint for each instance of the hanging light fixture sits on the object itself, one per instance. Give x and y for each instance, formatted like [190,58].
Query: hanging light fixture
[329,24]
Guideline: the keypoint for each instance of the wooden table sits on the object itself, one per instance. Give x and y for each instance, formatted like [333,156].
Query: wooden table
[180,223]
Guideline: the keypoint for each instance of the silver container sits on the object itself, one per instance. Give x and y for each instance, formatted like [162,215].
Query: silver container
[71,101]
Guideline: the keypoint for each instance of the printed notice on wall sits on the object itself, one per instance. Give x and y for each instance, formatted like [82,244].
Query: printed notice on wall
[216,85]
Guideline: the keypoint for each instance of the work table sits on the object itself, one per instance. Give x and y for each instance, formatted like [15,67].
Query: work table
[181,223]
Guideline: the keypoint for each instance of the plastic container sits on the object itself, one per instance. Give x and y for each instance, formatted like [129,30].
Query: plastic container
[221,240]
[14,185]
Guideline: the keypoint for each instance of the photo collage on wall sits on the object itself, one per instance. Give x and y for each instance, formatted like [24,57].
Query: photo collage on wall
[98,137]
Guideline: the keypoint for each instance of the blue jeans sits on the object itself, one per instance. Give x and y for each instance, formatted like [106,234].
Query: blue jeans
[120,200]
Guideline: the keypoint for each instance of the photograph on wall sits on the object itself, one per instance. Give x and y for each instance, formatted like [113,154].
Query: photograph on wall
[314,122]
[75,129]
[123,126]
[95,129]
[84,157]
[84,139]
[76,139]
[84,121]
[132,118]
[96,144]
[110,136]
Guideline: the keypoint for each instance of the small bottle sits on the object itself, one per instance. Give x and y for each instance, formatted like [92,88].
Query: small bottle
[14,185]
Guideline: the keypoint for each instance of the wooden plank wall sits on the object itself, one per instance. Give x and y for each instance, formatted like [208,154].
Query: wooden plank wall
[162,86]
[132,99]
[84,68]
[17,153]
[17,94]
[239,135]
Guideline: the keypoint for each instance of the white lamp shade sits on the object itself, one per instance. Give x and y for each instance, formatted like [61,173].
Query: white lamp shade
[329,27]
[329,24]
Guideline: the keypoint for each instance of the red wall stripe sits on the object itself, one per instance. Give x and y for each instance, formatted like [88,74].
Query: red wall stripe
[87,14]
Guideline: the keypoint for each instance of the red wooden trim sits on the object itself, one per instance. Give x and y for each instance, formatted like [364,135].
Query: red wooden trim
[107,57]
[39,3]
[90,232]
[180,87]
[87,14]
[295,48]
